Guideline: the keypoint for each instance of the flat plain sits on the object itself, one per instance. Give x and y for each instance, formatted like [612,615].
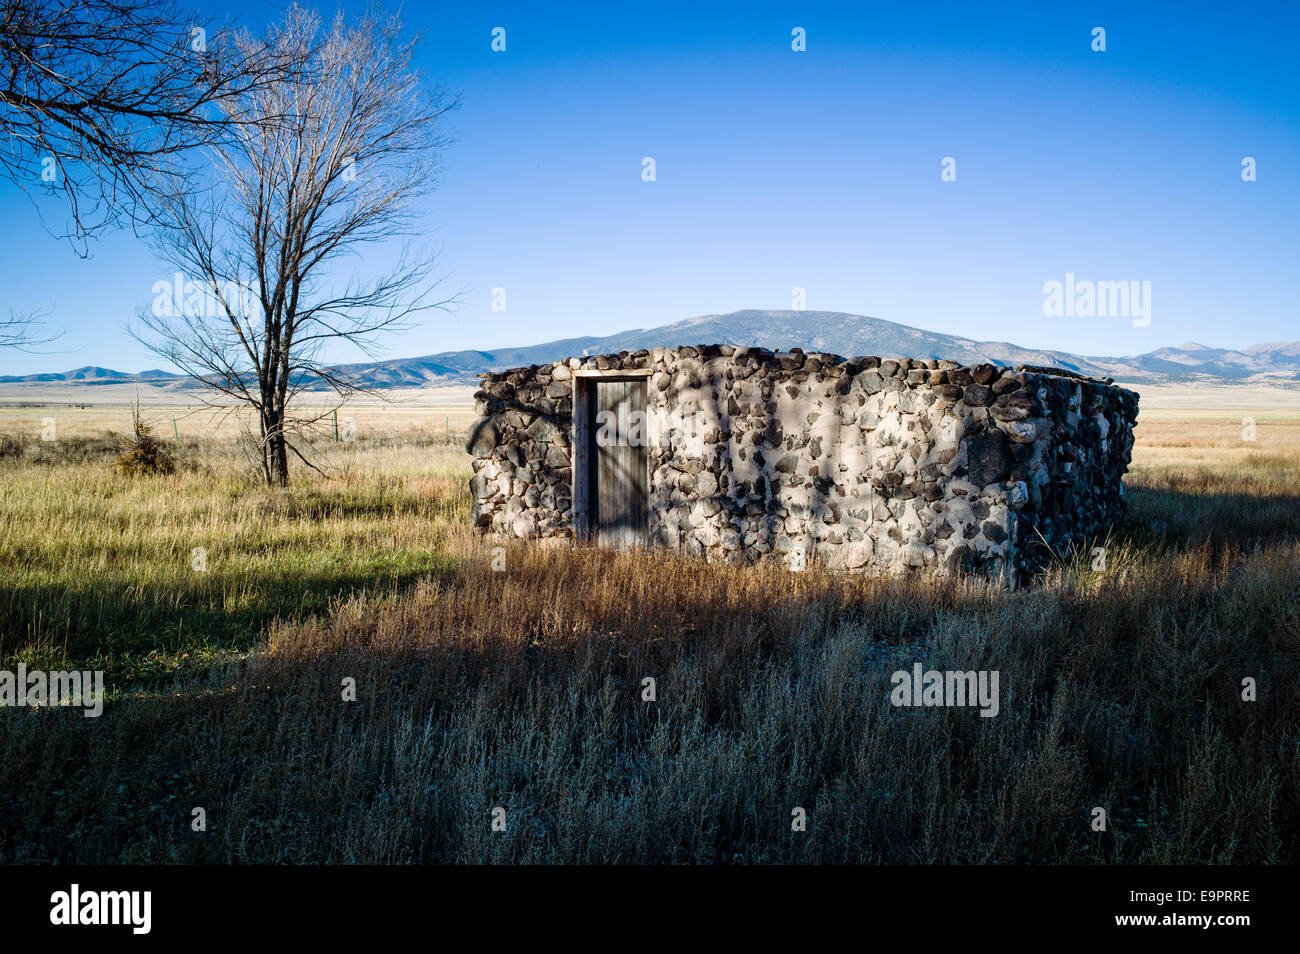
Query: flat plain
[522,688]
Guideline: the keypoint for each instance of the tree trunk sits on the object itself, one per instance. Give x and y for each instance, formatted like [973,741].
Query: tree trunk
[275,447]
[279,459]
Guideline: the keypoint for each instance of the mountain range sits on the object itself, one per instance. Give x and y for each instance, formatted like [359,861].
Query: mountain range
[835,332]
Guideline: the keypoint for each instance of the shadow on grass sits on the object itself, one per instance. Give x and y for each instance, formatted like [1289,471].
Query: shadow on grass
[150,631]
[1222,519]
[1164,522]
[768,697]
[525,690]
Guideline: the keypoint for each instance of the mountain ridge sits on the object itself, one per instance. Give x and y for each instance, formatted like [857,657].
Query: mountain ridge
[840,333]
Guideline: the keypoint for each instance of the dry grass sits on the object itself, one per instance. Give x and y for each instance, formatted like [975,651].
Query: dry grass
[522,688]
[100,569]
[1195,472]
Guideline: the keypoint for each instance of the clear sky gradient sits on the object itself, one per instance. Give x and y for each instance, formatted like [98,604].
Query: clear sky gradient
[817,169]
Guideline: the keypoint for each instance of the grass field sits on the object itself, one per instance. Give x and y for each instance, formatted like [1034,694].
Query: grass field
[522,689]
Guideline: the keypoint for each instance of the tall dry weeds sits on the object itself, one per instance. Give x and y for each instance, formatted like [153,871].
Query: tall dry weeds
[522,689]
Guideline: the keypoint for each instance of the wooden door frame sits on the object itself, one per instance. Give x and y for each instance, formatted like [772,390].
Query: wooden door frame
[580,457]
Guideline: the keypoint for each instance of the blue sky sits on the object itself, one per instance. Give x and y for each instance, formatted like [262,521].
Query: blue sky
[778,169]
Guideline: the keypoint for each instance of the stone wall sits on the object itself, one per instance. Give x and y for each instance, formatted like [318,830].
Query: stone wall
[863,463]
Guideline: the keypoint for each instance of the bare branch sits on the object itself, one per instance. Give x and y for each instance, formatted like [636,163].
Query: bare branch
[25,331]
[101,100]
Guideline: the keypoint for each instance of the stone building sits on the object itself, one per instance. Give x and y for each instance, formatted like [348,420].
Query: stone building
[739,454]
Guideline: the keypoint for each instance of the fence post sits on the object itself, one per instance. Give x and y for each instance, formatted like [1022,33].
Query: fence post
[335,416]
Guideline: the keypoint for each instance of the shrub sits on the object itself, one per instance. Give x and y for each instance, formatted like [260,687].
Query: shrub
[144,453]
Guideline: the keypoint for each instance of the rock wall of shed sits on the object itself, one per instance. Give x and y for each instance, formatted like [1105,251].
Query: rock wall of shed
[865,464]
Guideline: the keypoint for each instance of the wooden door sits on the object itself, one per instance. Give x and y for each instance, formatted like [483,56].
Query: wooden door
[621,463]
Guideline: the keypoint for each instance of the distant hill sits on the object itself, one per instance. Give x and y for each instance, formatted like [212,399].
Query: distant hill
[835,332]
[93,375]
[1279,360]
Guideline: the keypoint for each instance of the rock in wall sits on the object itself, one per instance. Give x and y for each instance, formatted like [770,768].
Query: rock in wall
[882,465]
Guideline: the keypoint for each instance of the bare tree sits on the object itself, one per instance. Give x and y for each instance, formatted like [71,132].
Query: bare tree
[99,96]
[24,331]
[258,298]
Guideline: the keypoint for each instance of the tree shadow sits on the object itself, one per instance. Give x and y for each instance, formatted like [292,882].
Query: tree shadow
[139,633]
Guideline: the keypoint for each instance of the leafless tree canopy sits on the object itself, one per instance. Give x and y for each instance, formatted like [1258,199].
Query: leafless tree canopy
[260,290]
[99,96]
[24,331]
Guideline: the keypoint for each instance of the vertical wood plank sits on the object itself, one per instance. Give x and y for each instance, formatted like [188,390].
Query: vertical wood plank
[639,464]
[621,503]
